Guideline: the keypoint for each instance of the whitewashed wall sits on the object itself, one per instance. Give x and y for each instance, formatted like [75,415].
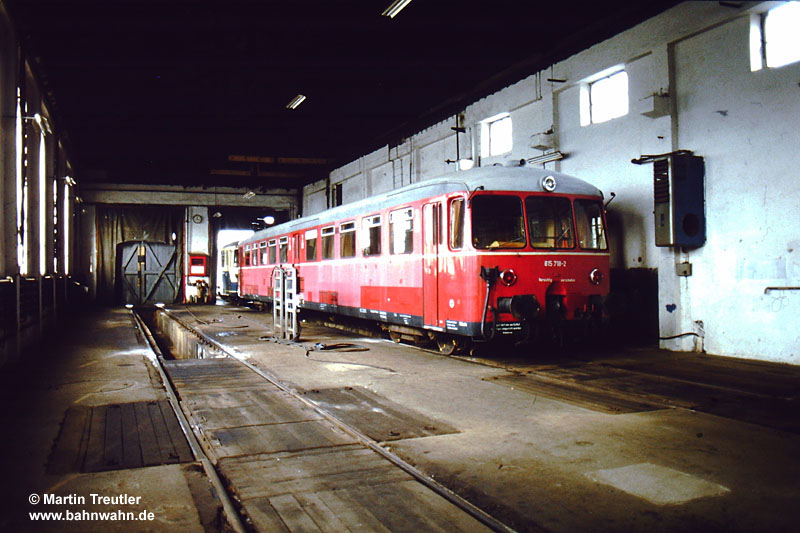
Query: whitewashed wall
[745,125]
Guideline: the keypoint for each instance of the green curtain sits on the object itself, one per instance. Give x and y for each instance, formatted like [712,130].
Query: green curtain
[117,224]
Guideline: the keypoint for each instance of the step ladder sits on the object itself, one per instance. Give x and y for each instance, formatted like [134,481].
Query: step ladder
[285,303]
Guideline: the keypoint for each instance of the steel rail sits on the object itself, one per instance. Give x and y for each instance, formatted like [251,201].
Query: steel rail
[231,513]
[474,511]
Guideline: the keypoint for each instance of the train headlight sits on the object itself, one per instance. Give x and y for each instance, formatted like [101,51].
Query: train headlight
[549,183]
[596,276]
[508,277]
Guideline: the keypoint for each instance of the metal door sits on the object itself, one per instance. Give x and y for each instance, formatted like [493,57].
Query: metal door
[432,235]
[148,272]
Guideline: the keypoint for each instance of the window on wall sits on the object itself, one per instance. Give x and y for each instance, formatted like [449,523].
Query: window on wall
[496,136]
[605,98]
[774,37]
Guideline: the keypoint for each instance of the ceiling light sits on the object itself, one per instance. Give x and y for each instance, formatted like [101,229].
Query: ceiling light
[248,195]
[395,8]
[296,101]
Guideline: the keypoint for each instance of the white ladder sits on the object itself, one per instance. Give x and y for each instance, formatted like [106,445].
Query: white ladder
[285,303]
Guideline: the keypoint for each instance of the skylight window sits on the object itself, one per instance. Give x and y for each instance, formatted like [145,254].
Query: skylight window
[496,138]
[774,39]
[604,99]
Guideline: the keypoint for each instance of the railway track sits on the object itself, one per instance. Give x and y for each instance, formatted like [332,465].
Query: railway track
[233,378]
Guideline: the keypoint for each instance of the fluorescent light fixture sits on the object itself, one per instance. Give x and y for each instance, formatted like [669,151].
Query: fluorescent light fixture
[248,195]
[395,8]
[296,101]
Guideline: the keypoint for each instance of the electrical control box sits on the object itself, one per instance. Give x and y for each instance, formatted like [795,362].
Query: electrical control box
[679,200]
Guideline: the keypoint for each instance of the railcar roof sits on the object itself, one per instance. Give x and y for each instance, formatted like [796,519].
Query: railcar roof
[494,178]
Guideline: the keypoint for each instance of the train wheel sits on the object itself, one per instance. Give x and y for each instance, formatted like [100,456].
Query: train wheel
[449,344]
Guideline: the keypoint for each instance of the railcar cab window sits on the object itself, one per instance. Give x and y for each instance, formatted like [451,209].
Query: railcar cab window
[272,249]
[550,222]
[283,249]
[589,220]
[497,222]
[456,223]
[347,231]
[327,242]
[371,235]
[311,245]
[401,231]
[263,249]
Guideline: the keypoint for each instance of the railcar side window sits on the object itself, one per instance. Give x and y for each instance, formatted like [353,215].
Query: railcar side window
[327,242]
[550,222]
[348,239]
[283,249]
[589,220]
[263,250]
[401,231]
[497,222]
[272,251]
[311,245]
[457,223]
[247,255]
[371,235]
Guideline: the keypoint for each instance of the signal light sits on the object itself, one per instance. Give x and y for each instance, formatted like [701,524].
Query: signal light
[508,277]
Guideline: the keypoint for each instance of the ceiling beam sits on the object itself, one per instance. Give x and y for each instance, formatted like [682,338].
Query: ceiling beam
[281,160]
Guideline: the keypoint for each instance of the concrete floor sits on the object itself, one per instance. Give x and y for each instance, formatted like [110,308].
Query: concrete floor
[532,461]
[539,463]
[97,360]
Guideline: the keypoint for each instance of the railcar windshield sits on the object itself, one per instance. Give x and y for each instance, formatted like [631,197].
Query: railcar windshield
[589,218]
[497,222]
[550,222]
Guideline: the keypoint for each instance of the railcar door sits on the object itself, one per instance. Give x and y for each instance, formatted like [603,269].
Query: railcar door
[431,239]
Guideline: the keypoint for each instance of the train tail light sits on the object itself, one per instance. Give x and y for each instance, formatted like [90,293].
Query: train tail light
[596,276]
[508,277]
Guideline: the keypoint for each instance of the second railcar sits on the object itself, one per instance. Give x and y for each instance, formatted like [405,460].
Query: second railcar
[476,255]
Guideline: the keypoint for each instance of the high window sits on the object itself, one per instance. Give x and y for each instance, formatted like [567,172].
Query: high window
[496,136]
[604,98]
[774,37]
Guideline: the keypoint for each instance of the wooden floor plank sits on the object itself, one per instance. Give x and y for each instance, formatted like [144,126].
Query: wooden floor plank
[263,516]
[309,471]
[66,456]
[112,453]
[293,514]
[290,436]
[93,461]
[151,454]
[320,513]
[177,438]
[131,449]
[166,450]
[350,511]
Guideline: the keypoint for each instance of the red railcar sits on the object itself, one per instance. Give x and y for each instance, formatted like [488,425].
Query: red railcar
[475,255]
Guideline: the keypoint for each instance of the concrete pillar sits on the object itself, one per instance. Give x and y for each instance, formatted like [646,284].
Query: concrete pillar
[31,149]
[49,203]
[9,67]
